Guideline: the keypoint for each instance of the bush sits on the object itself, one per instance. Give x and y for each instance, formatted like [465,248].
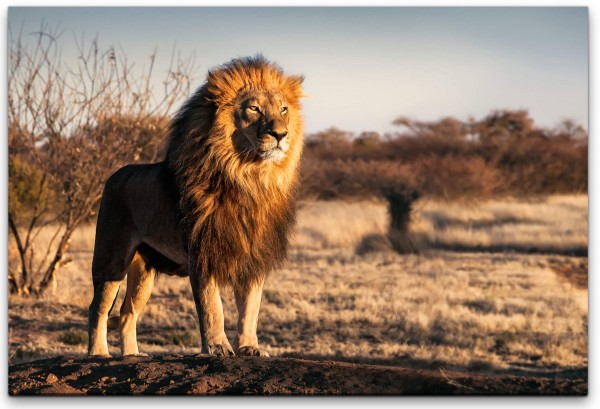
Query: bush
[544,167]
[328,180]
[26,187]
[502,154]
[74,337]
[185,338]
[453,177]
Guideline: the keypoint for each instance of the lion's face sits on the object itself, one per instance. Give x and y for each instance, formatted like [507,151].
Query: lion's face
[261,120]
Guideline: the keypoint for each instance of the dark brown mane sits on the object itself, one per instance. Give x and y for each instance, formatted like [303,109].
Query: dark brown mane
[236,214]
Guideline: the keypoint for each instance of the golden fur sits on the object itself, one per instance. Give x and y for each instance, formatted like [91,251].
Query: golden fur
[228,197]
[219,208]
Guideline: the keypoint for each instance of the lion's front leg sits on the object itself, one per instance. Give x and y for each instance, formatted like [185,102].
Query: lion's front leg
[210,315]
[247,297]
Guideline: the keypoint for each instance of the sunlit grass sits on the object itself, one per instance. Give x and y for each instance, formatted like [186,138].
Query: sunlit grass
[492,311]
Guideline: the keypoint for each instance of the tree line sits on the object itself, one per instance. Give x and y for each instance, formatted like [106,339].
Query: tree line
[503,153]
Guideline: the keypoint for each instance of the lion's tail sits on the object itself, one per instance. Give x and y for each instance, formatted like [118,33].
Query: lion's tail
[113,322]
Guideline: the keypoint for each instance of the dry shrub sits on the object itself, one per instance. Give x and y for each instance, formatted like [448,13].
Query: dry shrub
[74,337]
[544,166]
[327,180]
[408,149]
[446,177]
[452,177]
[185,338]
[26,186]
[502,154]
[71,126]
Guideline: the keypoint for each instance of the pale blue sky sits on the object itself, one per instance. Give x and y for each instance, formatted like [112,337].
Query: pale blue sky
[366,66]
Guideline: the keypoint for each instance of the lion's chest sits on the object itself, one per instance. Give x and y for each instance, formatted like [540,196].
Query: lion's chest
[240,219]
[241,233]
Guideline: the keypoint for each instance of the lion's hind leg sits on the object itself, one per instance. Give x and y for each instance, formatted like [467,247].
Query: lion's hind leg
[105,293]
[140,282]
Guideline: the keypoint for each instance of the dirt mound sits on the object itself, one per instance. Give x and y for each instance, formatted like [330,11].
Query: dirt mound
[184,375]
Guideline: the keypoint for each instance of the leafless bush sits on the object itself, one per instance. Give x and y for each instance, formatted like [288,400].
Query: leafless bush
[69,128]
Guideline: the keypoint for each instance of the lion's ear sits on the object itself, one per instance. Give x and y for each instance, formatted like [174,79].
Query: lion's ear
[219,87]
[293,87]
[298,79]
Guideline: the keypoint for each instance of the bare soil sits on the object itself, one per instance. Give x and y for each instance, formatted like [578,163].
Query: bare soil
[207,375]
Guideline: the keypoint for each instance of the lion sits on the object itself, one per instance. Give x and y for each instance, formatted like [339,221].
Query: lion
[218,209]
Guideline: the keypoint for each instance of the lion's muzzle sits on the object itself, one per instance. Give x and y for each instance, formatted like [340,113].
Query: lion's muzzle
[274,141]
[273,148]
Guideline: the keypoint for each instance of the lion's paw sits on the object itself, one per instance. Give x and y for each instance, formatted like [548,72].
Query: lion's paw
[220,350]
[251,351]
[137,354]
[105,356]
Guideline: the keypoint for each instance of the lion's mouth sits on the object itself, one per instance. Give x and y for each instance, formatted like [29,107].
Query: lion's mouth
[275,154]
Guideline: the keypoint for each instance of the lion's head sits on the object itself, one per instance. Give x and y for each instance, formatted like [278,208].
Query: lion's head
[246,117]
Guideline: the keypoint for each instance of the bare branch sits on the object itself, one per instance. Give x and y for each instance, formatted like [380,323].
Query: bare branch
[74,125]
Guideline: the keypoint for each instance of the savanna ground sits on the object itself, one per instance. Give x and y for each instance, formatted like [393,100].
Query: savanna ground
[495,287]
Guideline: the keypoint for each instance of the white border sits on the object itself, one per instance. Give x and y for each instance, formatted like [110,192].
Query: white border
[591,401]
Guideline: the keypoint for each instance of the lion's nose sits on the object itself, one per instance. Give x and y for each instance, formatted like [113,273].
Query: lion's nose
[279,134]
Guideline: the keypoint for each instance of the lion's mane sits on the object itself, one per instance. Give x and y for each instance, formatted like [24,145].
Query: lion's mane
[236,212]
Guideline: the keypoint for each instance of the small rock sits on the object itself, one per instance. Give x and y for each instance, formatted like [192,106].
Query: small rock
[171,382]
[104,379]
[51,378]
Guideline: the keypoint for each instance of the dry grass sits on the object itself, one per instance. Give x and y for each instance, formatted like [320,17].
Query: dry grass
[555,224]
[491,311]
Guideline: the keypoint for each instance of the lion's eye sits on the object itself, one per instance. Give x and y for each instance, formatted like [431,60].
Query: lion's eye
[253,108]
[284,110]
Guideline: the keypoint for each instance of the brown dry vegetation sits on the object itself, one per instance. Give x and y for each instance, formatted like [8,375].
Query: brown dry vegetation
[492,311]
[503,153]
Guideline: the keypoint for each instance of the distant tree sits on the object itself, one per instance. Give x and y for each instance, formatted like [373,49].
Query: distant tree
[570,130]
[331,137]
[367,140]
[504,126]
[69,128]
[447,127]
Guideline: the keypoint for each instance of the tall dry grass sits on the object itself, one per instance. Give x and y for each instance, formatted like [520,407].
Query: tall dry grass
[553,224]
[481,311]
